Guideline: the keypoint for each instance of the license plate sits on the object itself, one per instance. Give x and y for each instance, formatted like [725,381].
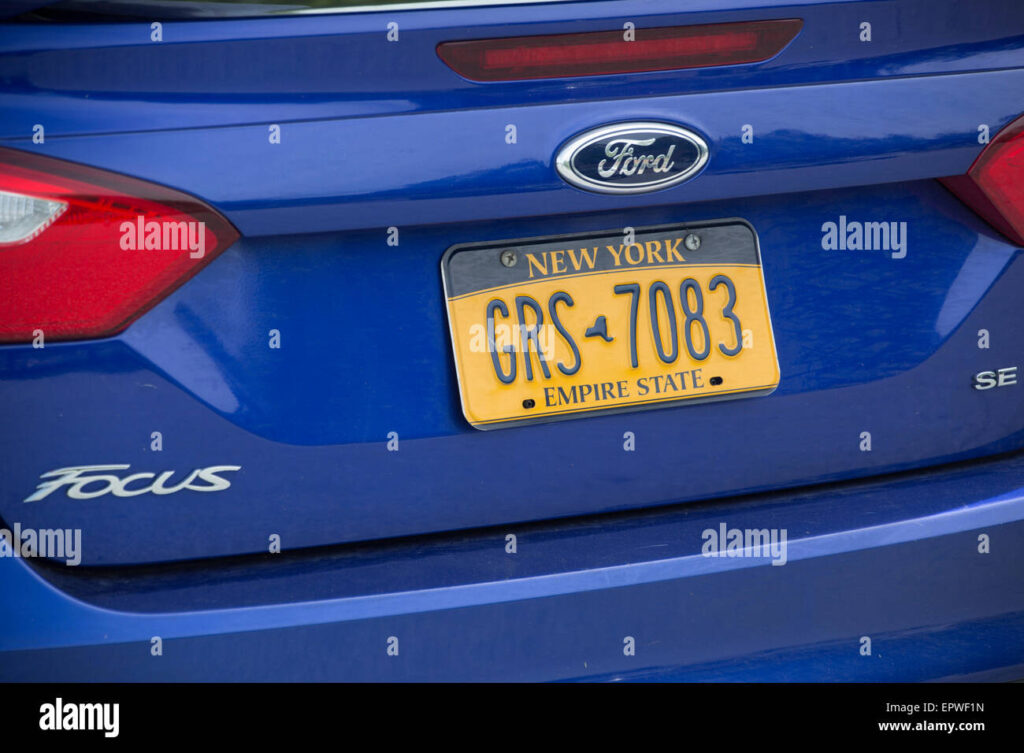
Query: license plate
[550,328]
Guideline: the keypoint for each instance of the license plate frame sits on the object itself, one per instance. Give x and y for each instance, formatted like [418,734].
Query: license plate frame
[472,271]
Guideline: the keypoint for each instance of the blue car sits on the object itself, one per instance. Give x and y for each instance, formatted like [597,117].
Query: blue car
[490,340]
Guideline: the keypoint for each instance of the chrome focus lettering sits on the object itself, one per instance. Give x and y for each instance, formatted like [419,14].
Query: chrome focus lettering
[91,481]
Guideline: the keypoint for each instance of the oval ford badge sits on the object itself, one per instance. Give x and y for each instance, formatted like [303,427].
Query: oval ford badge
[632,157]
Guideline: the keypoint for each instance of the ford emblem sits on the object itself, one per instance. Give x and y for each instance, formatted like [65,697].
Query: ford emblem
[634,157]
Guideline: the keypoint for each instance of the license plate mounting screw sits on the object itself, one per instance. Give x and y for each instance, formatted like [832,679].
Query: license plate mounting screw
[508,257]
[692,241]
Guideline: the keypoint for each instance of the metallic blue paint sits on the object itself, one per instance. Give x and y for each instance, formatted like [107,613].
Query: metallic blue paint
[372,139]
[865,343]
[895,559]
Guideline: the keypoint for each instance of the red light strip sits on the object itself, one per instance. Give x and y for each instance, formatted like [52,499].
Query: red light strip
[606,52]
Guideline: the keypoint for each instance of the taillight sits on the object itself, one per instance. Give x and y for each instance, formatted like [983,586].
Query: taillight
[83,251]
[994,186]
[607,52]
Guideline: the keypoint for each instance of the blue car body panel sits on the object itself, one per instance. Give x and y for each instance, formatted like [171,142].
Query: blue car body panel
[894,560]
[376,135]
[309,423]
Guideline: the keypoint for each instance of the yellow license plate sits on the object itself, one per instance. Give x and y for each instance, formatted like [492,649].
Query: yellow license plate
[551,328]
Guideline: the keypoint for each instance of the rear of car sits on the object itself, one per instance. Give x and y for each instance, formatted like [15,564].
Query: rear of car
[512,341]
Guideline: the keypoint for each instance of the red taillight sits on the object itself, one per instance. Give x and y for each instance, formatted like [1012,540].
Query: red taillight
[83,251]
[994,186]
[606,52]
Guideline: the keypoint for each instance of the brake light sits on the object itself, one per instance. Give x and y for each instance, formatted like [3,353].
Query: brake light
[83,251]
[994,186]
[607,52]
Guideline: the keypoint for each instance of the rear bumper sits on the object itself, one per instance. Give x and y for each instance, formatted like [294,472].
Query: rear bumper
[894,559]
